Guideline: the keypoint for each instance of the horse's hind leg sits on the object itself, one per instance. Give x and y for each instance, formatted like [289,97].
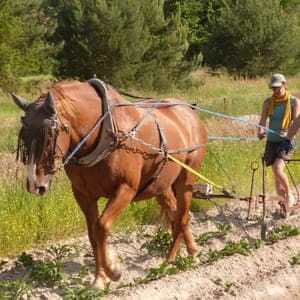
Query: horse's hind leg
[183,189]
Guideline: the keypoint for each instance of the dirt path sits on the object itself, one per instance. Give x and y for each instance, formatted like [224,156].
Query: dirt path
[266,273]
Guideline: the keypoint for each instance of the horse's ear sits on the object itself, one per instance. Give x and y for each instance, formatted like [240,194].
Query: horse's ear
[22,103]
[49,104]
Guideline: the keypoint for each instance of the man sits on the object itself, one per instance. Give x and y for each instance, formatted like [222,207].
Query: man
[282,109]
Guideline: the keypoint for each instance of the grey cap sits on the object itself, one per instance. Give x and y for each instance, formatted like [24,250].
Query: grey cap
[277,80]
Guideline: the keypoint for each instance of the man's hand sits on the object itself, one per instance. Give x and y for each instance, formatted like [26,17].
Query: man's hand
[261,134]
[287,145]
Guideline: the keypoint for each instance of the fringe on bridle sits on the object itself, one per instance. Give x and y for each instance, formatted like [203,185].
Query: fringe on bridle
[32,145]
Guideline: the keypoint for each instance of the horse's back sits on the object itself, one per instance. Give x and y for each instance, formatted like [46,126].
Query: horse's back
[180,123]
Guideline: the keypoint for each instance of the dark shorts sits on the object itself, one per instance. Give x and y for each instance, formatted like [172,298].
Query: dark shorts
[273,151]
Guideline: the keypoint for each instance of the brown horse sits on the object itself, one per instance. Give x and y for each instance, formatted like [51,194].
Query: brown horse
[76,123]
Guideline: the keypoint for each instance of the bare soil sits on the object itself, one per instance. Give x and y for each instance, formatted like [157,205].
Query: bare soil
[266,273]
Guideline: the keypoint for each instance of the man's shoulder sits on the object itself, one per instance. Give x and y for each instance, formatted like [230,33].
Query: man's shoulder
[267,100]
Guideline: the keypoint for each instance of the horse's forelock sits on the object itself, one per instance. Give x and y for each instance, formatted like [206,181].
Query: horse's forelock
[32,144]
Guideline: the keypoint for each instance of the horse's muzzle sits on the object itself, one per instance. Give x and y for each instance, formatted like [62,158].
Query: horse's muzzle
[38,189]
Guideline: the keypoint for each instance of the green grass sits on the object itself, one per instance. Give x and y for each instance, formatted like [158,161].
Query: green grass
[27,221]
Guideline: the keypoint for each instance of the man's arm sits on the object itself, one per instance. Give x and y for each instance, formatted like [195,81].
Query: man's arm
[261,133]
[296,120]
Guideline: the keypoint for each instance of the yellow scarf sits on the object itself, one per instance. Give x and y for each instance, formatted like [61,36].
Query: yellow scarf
[287,118]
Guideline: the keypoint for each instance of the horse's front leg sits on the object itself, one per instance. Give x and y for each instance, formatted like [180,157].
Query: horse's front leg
[90,210]
[114,207]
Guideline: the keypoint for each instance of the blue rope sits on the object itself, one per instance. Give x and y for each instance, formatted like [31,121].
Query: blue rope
[155,105]
[141,104]
[236,119]
[225,138]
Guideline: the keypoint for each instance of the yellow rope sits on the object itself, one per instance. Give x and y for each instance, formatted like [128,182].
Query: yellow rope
[193,171]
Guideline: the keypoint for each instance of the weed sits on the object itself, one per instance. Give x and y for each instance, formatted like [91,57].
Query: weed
[47,273]
[281,233]
[15,290]
[231,248]
[42,273]
[203,237]
[213,255]
[157,273]
[229,284]
[223,229]
[180,264]
[240,247]
[85,293]
[60,252]
[26,260]
[184,263]
[296,260]
[160,243]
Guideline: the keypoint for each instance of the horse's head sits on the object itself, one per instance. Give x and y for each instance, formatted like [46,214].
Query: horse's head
[38,141]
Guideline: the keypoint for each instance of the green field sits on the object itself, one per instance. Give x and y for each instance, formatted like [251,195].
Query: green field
[28,221]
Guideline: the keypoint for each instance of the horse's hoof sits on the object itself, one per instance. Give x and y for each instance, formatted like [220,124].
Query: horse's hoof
[100,283]
[194,251]
[114,267]
[116,272]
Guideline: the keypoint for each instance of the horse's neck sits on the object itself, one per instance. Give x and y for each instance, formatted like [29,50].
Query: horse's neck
[80,115]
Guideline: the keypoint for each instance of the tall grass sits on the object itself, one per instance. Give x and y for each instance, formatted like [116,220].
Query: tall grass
[27,221]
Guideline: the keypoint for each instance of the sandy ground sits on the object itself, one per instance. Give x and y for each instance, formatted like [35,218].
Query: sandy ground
[266,273]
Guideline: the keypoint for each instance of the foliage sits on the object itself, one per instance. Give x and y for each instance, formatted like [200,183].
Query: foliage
[146,44]
[180,264]
[15,289]
[160,243]
[281,233]
[223,229]
[42,273]
[123,42]
[23,48]
[197,14]
[296,260]
[247,36]
[84,293]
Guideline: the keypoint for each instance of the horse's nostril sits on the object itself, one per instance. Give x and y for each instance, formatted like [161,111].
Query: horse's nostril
[41,190]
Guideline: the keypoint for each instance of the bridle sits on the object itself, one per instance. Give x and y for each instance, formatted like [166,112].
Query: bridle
[36,144]
[56,126]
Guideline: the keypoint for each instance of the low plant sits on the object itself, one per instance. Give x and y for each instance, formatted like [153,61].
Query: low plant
[281,233]
[228,284]
[231,248]
[59,252]
[86,293]
[160,243]
[42,273]
[296,260]
[223,229]
[15,290]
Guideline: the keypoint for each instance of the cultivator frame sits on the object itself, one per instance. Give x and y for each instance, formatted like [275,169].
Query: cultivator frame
[204,191]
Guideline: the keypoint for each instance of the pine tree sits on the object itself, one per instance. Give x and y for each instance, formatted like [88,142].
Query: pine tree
[252,38]
[23,49]
[122,41]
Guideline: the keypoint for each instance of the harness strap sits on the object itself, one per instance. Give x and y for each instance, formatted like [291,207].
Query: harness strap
[107,143]
[163,140]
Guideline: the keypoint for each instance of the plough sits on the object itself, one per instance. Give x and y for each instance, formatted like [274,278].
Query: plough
[205,191]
